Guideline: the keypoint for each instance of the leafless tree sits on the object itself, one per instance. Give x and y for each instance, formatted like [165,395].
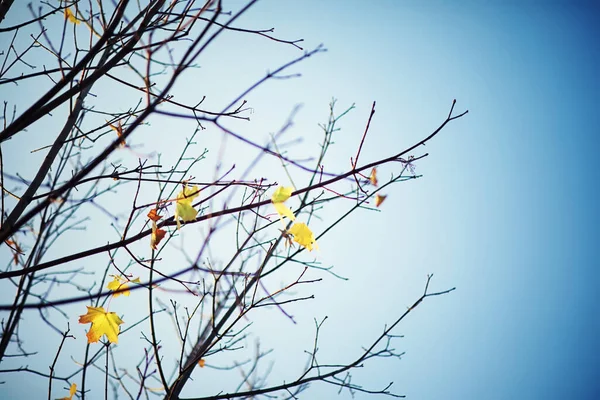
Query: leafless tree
[90,210]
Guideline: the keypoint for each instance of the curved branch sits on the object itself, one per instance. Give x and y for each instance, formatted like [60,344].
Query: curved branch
[171,221]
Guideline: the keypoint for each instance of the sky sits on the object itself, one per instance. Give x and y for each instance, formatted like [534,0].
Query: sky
[506,210]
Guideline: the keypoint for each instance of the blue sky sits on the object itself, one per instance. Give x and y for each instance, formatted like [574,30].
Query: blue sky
[506,211]
[507,208]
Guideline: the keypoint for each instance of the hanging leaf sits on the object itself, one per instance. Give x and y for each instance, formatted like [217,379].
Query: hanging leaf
[282,194]
[115,285]
[379,198]
[119,129]
[157,235]
[71,17]
[153,215]
[120,283]
[284,211]
[184,210]
[72,391]
[373,177]
[303,235]
[103,323]
[15,248]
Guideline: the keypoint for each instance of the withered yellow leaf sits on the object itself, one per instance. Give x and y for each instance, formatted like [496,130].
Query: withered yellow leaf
[103,323]
[72,391]
[71,17]
[184,210]
[379,198]
[373,177]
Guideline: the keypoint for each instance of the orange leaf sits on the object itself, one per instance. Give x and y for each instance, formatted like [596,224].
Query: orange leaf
[72,391]
[153,215]
[157,235]
[119,129]
[16,249]
[373,177]
[201,363]
[379,198]
[103,323]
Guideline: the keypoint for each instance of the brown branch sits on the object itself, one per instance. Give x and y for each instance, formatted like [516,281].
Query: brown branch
[323,376]
[171,221]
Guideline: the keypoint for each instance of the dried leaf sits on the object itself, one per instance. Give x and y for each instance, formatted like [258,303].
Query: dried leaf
[72,391]
[379,198]
[373,177]
[15,248]
[157,235]
[288,238]
[71,17]
[119,129]
[202,363]
[153,215]
[103,323]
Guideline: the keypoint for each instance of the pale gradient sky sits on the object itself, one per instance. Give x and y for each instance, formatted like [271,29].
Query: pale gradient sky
[507,210]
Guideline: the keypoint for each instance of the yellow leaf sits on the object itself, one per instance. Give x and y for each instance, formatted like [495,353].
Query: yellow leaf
[282,194]
[188,194]
[284,211]
[201,363]
[184,209]
[303,235]
[118,283]
[373,177]
[185,213]
[379,198]
[72,391]
[71,17]
[103,323]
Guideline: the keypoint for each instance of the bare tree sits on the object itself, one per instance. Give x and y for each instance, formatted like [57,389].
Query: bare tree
[91,212]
